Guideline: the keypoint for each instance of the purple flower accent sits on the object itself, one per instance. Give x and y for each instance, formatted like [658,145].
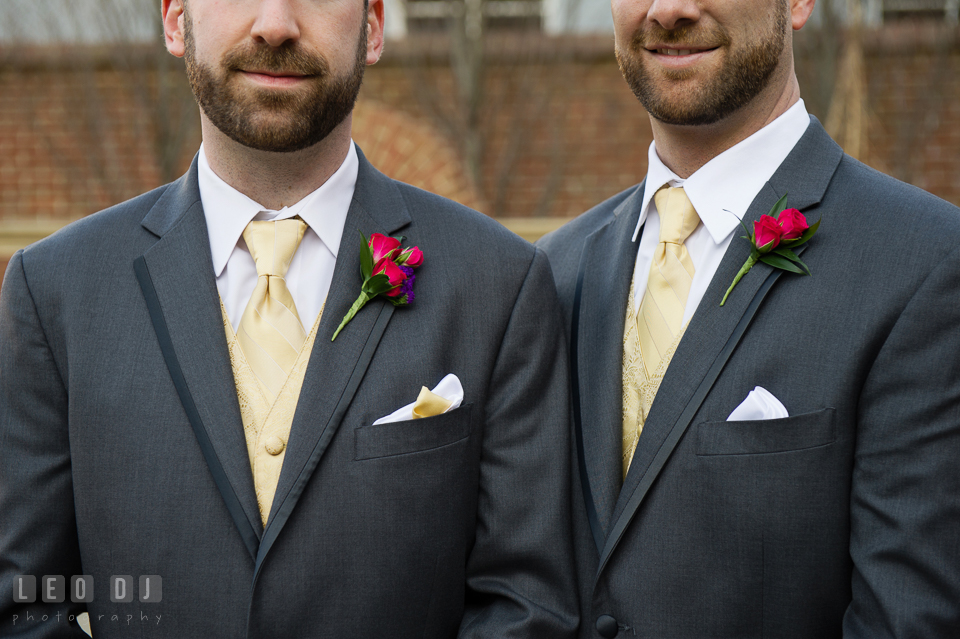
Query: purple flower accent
[406,288]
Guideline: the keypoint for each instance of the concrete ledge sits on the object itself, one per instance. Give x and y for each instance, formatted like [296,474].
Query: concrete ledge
[533,228]
[16,234]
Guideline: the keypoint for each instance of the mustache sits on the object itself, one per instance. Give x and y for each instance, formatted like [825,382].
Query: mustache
[288,59]
[696,36]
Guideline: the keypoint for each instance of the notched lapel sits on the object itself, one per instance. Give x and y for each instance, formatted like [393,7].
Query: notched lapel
[804,175]
[336,368]
[607,265]
[180,268]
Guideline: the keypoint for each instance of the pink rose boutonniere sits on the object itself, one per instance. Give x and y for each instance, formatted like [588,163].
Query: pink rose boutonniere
[387,269]
[772,239]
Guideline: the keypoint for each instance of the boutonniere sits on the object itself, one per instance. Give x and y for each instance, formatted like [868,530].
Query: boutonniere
[387,269]
[772,239]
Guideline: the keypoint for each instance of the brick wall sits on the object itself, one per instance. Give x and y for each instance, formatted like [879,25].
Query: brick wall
[562,130]
[914,107]
[63,153]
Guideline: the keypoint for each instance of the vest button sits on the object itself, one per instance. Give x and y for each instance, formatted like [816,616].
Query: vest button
[607,626]
[274,445]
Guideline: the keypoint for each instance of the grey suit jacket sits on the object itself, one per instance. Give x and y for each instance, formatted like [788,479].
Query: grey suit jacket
[842,519]
[122,449]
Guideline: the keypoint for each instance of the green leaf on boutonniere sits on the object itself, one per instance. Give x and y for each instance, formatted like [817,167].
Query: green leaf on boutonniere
[790,255]
[376,285]
[777,261]
[787,253]
[366,258]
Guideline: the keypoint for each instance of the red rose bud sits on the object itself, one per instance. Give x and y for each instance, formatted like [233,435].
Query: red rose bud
[381,245]
[394,273]
[412,257]
[793,224]
[767,232]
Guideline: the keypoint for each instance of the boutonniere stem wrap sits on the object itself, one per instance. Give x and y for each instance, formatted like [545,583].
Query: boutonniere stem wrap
[387,270]
[773,238]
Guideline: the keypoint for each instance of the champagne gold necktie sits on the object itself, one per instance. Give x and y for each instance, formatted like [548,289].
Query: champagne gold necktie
[271,333]
[652,333]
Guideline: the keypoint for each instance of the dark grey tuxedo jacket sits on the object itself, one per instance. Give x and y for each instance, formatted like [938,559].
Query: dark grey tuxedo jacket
[842,519]
[122,449]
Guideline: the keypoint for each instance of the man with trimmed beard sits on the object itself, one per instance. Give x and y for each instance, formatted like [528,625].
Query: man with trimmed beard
[778,457]
[225,407]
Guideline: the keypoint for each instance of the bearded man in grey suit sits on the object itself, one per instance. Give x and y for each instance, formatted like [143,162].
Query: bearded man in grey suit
[783,464]
[173,405]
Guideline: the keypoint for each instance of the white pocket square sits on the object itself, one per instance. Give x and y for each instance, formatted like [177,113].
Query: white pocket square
[759,404]
[448,389]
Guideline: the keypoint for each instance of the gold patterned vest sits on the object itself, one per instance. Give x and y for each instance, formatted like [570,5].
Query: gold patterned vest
[265,426]
[639,388]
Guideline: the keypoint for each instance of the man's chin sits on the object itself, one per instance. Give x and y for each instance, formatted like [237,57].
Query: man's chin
[681,97]
[273,140]
[681,118]
[686,108]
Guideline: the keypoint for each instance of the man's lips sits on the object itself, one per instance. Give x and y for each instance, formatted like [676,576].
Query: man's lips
[679,55]
[274,78]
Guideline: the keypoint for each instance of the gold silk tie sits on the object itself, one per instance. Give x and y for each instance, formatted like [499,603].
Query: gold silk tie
[652,333]
[270,332]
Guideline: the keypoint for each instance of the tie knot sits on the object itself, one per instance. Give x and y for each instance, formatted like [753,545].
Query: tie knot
[678,218]
[272,244]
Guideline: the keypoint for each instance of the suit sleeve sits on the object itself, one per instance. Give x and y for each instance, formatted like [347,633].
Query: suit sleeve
[38,531]
[905,501]
[520,572]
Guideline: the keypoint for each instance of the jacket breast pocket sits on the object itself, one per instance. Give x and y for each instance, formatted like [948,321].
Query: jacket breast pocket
[413,436]
[798,432]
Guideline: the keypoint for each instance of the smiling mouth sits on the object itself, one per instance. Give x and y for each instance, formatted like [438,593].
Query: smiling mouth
[679,52]
[275,74]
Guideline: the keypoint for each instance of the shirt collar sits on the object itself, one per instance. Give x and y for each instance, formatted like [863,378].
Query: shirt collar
[228,211]
[722,190]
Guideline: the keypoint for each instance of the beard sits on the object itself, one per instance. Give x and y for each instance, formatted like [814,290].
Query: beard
[744,73]
[279,121]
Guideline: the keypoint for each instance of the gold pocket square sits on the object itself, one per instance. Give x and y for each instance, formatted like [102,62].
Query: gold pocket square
[429,404]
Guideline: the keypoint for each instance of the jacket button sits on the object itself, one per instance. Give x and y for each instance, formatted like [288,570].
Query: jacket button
[275,445]
[607,626]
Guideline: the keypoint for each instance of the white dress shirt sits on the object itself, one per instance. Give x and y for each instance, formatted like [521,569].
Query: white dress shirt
[721,191]
[228,212]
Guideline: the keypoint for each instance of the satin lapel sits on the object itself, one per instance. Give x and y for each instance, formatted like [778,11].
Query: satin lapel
[336,368]
[804,175]
[606,269]
[180,268]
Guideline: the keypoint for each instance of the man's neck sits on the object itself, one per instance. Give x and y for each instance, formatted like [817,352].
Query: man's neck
[684,149]
[275,180]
